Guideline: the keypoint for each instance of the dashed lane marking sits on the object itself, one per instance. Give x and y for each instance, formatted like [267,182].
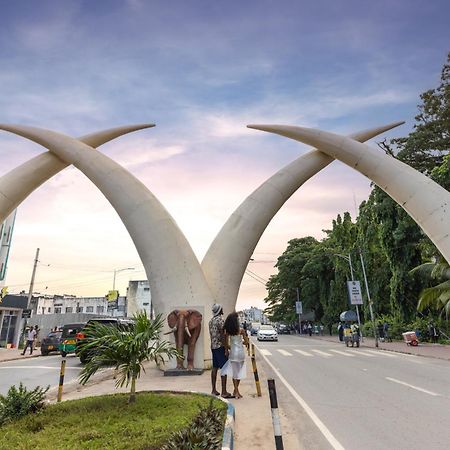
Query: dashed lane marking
[413,387]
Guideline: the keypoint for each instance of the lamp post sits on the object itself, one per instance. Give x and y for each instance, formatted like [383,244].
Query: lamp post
[116,271]
[369,299]
[348,258]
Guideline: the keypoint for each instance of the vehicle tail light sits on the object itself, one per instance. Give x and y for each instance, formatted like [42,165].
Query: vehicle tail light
[80,335]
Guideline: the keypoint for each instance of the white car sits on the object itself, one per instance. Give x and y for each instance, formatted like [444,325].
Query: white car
[267,333]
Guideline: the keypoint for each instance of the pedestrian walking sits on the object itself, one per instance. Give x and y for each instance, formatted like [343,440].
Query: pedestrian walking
[309,329]
[219,353]
[31,335]
[235,337]
[341,331]
[321,329]
[36,337]
[433,333]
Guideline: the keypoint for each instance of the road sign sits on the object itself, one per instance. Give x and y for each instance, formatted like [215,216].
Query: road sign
[354,292]
[299,307]
[26,313]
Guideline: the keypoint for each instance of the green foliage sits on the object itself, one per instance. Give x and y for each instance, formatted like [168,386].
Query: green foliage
[96,423]
[19,402]
[125,349]
[204,433]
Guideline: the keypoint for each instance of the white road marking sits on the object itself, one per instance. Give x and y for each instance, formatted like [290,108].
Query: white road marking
[360,352]
[413,387]
[264,352]
[319,424]
[284,352]
[39,367]
[321,353]
[382,353]
[342,353]
[302,352]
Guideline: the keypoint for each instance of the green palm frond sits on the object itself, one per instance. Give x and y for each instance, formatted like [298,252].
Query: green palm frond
[437,297]
[125,348]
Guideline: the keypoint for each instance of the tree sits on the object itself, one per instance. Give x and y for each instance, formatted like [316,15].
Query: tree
[126,348]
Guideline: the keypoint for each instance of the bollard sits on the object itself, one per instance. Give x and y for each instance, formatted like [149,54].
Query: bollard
[275,415]
[255,372]
[61,379]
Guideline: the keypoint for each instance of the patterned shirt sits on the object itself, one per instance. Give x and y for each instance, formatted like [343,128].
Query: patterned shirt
[216,332]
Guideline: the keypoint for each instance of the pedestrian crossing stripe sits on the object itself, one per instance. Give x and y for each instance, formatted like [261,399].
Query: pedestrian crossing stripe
[342,353]
[381,353]
[321,353]
[284,352]
[302,352]
[265,352]
[360,352]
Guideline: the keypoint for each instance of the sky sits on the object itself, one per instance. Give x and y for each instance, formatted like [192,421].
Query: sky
[201,71]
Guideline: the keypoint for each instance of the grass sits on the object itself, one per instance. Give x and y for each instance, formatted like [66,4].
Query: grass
[106,422]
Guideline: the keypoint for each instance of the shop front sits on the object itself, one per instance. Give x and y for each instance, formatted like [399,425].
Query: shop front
[11,308]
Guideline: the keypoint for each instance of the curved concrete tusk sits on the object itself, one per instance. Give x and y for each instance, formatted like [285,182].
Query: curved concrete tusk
[425,201]
[19,183]
[162,247]
[225,262]
[187,331]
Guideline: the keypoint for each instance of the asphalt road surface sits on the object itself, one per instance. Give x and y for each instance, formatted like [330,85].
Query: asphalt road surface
[41,371]
[358,398]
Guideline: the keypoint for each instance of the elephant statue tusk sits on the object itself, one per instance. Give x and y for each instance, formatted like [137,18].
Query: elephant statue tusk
[187,331]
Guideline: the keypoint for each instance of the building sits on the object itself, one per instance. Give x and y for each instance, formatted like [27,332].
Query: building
[139,297]
[255,315]
[6,231]
[11,307]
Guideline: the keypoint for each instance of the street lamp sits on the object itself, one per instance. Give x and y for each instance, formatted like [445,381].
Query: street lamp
[348,258]
[116,271]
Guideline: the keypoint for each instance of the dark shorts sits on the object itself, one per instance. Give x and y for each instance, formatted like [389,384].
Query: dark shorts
[218,357]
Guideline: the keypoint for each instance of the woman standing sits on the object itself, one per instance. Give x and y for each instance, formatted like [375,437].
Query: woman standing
[235,337]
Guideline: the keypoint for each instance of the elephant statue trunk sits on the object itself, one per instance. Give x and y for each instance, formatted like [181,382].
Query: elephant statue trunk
[186,326]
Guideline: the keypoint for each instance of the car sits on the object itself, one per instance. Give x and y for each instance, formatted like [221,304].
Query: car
[283,329]
[51,343]
[81,335]
[267,333]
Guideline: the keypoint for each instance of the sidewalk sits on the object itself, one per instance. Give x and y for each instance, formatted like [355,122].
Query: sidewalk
[10,354]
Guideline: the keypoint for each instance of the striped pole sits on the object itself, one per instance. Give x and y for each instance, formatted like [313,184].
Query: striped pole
[275,415]
[61,379]
[255,372]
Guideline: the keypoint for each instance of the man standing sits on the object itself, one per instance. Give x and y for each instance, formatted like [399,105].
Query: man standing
[31,335]
[219,354]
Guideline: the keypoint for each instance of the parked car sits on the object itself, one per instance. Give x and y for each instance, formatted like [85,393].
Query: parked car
[81,335]
[51,343]
[267,333]
[69,337]
[283,329]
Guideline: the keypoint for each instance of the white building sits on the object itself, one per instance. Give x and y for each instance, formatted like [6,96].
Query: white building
[67,304]
[139,297]
[254,314]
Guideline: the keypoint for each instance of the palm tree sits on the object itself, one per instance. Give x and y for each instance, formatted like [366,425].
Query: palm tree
[437,297]
[125,348]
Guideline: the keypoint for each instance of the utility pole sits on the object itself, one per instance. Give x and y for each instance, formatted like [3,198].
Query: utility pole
[30,292]
[369,299]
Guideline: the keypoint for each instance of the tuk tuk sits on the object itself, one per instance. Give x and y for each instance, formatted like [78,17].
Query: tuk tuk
[351,329]
[69,337]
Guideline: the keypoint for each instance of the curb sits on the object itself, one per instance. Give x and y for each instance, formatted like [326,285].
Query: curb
[228,432]
[19,357]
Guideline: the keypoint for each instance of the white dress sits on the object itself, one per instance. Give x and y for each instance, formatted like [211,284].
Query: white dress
[235,366]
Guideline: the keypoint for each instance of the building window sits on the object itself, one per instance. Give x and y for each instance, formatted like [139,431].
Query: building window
[57,310]
[89,309]
[100,309]
[80,309]
[49,310]
[146,289]
[69,309]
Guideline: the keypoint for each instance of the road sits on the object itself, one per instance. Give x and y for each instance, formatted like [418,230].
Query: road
[360,398]
[40,371]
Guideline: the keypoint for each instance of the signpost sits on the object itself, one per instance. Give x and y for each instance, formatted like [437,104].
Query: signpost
[354,292]
[299,311]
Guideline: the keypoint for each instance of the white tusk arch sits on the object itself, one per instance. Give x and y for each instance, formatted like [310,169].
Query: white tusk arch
[425,201]
[19,183]
[225,262]
[171,266]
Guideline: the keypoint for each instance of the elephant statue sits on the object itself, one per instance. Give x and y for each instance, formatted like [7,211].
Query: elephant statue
[186,325]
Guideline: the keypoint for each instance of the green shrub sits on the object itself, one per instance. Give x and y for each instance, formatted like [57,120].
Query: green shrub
[19,402]
[204,433]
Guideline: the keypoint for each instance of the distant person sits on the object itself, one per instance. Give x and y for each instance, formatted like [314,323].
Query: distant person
[341,331]
[31,336]
[219,353]
[310,329]
[381,335]
[235,337]
[387,337]
[321,329]
[432,331]
[36,328]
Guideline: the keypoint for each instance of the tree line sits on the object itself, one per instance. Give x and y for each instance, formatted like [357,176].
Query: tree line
[409,280]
